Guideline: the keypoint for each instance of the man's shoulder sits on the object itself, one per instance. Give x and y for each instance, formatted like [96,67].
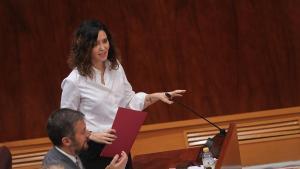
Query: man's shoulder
[54,157]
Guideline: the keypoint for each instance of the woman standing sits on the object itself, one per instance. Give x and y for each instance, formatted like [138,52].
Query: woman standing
[97,86]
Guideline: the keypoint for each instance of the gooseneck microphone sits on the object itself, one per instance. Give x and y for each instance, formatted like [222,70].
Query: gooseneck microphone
[222,131]
[215,143]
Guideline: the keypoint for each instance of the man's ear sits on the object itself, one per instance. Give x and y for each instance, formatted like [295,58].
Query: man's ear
[66,141]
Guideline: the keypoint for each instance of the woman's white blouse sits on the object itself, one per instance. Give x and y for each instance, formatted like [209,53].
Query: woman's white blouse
[100,102]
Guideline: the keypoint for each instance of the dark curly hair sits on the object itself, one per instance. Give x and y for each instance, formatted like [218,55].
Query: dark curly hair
[85,38]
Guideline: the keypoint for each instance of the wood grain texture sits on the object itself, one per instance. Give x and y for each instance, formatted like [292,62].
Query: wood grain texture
[231,56]
[162,137]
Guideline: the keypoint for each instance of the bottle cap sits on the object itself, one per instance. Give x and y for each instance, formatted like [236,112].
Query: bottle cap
[205,149]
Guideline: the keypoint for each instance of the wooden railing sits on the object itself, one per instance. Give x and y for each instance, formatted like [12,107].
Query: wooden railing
[257,131]
[251,132]
[274,134]
[28,154]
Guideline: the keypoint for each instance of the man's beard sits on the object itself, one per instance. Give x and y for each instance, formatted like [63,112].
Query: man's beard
[78,148]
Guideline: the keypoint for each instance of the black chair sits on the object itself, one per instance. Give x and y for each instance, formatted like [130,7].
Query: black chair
[5,158]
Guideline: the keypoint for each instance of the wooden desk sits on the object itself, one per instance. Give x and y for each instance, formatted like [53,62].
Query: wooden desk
[167,159]
[229,156]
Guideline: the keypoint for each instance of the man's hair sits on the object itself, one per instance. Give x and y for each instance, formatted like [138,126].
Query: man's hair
[61,124]
[85,38]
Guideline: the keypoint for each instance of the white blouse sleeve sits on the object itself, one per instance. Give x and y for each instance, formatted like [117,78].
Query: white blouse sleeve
[70,97]
[133,100]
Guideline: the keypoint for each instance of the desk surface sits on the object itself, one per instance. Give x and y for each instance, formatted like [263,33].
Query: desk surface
[167,159]
[229,156]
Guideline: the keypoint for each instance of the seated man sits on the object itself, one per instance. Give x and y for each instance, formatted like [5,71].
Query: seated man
[67,131]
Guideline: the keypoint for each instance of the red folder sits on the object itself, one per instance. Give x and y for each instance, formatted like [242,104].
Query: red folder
[127,124]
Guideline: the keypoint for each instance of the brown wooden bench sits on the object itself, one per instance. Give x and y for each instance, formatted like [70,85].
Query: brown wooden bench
[28,153]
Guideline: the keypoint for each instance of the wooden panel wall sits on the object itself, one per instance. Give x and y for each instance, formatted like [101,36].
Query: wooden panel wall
[232,56]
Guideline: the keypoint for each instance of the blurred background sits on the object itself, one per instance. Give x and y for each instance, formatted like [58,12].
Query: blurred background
[231,56]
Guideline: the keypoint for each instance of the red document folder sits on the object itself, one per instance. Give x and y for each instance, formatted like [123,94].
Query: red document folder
[127,124]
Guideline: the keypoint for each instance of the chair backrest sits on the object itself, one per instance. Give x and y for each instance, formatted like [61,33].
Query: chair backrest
[5,158]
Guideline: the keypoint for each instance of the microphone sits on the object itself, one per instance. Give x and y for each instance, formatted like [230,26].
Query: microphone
[216,142]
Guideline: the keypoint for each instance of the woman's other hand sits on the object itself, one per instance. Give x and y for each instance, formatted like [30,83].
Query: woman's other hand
[106,137]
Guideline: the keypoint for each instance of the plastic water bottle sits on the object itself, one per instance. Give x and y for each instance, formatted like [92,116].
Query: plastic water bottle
[208,160]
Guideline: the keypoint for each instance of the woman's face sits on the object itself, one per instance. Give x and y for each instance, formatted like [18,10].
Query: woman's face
[100,50]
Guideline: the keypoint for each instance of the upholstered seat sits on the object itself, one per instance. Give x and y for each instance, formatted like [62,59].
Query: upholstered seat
[5,158]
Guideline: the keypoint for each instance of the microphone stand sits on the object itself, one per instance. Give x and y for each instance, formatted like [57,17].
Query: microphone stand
[214,144]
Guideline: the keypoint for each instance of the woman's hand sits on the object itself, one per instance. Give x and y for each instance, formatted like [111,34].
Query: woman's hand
[118,162]
[106,137]
[168,96]
[154,97]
